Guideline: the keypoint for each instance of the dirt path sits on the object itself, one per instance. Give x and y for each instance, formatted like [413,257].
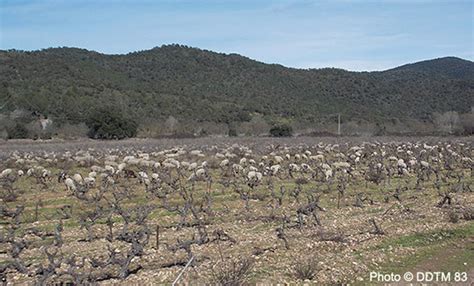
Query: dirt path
[454,257]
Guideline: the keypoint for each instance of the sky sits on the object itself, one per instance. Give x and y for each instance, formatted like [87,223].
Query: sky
[355,35]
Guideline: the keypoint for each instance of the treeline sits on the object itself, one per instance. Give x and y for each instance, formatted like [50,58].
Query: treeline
[201,87]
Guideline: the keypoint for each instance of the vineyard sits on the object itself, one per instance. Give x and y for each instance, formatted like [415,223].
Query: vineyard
[233,211]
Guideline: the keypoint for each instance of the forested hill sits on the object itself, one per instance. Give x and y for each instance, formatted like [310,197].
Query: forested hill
[200,85]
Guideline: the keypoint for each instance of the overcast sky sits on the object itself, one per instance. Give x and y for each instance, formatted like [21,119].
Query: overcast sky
[354,35]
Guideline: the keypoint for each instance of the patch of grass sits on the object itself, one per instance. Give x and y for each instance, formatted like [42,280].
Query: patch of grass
[460,262]
[429,238]
[232,272]
[375,210]
[428,245]
[305,268]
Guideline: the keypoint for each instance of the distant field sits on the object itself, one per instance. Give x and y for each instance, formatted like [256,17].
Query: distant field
[235,210]
[26,145]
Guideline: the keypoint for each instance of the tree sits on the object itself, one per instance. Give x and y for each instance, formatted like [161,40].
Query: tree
[171,124]
[110,124]
[448,122]
[18,131]
[232,132]
[281,130]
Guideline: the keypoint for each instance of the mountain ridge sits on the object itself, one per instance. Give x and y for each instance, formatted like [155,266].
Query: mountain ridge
[85,50]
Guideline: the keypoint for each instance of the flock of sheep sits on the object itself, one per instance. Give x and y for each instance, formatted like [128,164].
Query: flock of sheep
[318,161]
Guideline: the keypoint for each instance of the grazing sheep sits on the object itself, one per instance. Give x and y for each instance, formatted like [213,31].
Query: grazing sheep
[401,164]
[224,163]
[89,181]
[192,166]
[392,158]
[70,185]
[275,169]
[5,173]
[175,163]
[195,152]
[142,177]
[278,159]
[200,174]
[78,179]
[155,177]
[341,165]
[254,176]
[237,168]
[109,169]
[425,164]
[97,169]
[328,174]
[219,156]
[168,165]
[293,167]
[326,166]
[252,168]
[46,174]
[318,157]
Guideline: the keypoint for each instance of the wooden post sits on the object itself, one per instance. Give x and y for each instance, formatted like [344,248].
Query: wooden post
[157,237]
[338,124]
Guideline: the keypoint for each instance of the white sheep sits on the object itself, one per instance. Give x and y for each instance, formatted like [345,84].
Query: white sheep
[293,167]
[192,166]
[237,168]
[70,185]
[109,169]
[142,177]
[78,179]
[5,173]
[275,169]
[200,174]
[155,177]
[278,159]
[401,164]
[224,163]
[328,174]
[341,165]
[318,157]
[89,181]
[254,176]
[425,164]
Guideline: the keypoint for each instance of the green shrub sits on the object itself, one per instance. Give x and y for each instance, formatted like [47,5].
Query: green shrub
[232,132]
[18,131]
[110,124]
[232,271]
[305,268]
[281,130]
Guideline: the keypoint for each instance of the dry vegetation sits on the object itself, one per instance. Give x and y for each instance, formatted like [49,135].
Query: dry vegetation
[231,212]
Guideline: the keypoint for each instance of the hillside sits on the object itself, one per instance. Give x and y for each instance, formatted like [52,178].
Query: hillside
[196,85]
[450,67]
